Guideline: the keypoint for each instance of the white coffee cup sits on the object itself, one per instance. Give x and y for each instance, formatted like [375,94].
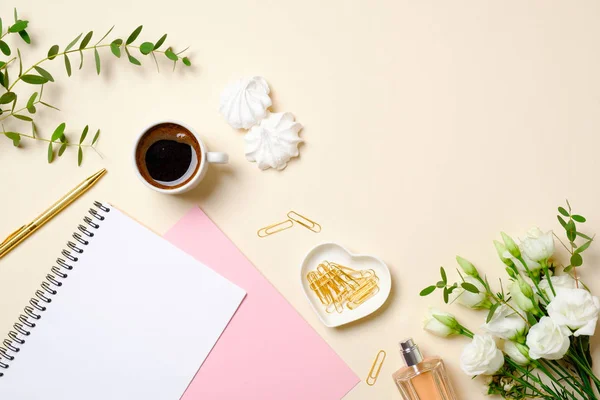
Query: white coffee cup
[197,174]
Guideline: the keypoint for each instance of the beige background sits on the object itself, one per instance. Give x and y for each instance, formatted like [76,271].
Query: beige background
[429,126]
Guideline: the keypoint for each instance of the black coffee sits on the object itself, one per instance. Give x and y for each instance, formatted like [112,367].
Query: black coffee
[165,153]
[168,160]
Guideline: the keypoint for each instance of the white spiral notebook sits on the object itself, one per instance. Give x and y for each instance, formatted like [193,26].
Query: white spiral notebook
[122,315]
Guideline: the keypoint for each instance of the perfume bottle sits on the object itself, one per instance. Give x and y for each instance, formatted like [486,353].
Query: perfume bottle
[422,378]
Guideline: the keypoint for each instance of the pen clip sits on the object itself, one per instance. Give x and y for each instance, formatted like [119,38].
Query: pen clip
[15,233]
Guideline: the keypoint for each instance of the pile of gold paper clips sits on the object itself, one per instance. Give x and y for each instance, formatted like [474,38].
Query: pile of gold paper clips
[338,286]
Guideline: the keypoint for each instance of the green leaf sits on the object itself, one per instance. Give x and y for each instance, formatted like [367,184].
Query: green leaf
[443,275]
[571,230]
[576,260]
[7,97]
[186,61]
[446,295]
[83,134]
[68,65]
[579,218]
[132,59]
[170,55]
[81,58]
[4,48]
[58,132]
[96,136]
[49,105]
[22,117]
[31,109]
[25,36]
[0,26]
[2,64]
[105,35]
[18,26]
[427,291]
[34,79]
[531,319]
[20,62]
[440,284]
[44,73]
[50,153]
[1,79]
[97,59]
[567,269]
[491,312]
[86,40]
[583,235]
[53,52]
[115,47]
[16,15]
[469,287]
[15,137]
[562,221]
[70,45]
[79,156]
[146,48]
[583,247]
[160,42]
[32,99]
[62,149]
[134,35]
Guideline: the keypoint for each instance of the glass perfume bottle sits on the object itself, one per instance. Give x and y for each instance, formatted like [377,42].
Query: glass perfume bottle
[422,378]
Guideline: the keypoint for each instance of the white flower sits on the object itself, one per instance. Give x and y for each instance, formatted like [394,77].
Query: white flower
[576,309]
[472,300]
[558,282]
[517,352]
[538,245]
[440,323]
[523,301]
[481,356]
[532,265]
[506,323]
[548,340]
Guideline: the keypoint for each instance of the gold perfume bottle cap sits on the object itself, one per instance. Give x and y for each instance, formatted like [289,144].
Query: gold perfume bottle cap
[410,352]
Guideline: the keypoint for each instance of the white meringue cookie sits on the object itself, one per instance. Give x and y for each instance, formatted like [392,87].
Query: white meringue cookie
[245,102]
[274,141]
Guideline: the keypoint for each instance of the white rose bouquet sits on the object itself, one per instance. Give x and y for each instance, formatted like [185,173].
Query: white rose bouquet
[536,336]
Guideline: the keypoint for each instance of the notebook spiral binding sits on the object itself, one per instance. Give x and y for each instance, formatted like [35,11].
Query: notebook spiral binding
[32,312]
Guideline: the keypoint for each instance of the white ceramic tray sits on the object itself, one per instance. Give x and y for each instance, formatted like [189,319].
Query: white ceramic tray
[336,253]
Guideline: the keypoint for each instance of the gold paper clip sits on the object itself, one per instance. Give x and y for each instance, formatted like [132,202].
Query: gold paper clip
[272,229]
[376,368]
[305,222]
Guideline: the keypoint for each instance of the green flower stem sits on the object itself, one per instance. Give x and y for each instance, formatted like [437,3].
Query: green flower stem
[544,264]
[531,387]
[68,52]
[566,377]
[540,293]
[584,367]
[8,63]
[534,378]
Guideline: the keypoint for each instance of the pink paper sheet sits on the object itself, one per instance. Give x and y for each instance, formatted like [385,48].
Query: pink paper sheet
[268,351]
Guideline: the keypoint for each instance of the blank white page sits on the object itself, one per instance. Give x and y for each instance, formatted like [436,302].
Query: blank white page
[134,319]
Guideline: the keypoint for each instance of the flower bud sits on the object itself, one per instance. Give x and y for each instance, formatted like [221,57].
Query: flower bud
[511,246]
[441,323]
[467,267]
[525,288]
[511,272]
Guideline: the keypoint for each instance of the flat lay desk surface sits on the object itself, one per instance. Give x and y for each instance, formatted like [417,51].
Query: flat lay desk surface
[429,126]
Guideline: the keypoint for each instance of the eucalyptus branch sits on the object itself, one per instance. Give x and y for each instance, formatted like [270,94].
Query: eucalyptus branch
[36,75]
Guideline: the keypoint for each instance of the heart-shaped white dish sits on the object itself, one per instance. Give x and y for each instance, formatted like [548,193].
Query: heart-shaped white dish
[335,253]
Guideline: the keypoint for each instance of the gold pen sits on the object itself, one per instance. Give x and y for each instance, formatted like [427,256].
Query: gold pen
[23,232]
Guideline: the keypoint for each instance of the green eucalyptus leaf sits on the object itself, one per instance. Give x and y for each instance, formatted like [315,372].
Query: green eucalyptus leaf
[20,62]
[79,156]
[186,61]
[583,247]
[44,73]
[97,60]
[62,149]
[25,36]
[443,275]
[68,65]
[579,218]
[2,64]
[70,45]
[583,235]
[563,211]
[83,134]
[1,79]
[96,137]
[53,52]
[105,35]
[569,268]
[146,48]
[170,55]
[50,153]
[132,59]
[32,99]
[22,117]
[58,132]
[562,221]
[469,287]
[31,109]
[7,97]
[576,260]
[34,79]
[134,35]
[160,42]
[49,105]
[446,295]
[115,48]
[15,137]
[81,58]
[491,312]
[0,26]
[427,291]
[4,48]
[86,40]
[18,26]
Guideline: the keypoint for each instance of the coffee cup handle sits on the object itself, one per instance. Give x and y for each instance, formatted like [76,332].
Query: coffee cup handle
[217,157]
